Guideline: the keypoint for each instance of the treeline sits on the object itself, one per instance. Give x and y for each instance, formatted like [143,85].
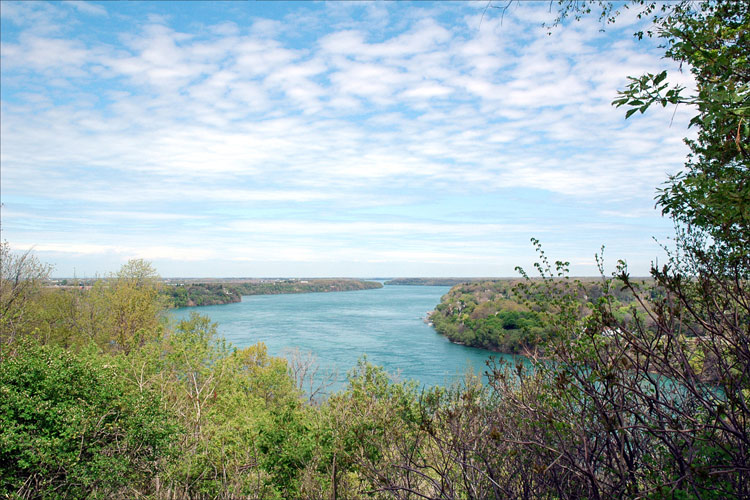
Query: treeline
[432,281]
[498,316]
[306,286]
[206,294]
[200,294]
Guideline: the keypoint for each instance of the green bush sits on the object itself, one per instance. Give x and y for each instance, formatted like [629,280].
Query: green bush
[71,428]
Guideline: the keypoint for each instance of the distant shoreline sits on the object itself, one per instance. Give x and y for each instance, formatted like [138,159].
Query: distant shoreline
[196,294]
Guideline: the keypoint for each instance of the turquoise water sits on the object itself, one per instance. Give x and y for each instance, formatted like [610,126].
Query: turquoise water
[386,324]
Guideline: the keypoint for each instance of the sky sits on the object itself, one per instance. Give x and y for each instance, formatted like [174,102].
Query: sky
[382,139]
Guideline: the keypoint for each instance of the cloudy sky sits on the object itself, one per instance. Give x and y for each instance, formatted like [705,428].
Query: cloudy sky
[327,139]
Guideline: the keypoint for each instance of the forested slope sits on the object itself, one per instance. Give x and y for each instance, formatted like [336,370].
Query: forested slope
[432,281]
[206,294]
[499,316]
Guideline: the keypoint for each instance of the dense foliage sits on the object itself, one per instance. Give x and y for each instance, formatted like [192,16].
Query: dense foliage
[431,281]
[485,315]
[307,286]
[494,315]
[171,410]
[200,294]
[73,428]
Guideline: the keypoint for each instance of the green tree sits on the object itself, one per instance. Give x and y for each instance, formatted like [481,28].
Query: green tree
[124,310]
[22,277]
[239,408]
[70,427]
[712,39]
[655,403]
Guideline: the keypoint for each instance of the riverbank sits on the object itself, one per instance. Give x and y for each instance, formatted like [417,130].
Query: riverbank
[188,293]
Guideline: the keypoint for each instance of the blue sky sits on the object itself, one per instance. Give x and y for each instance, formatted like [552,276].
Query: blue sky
[327,139]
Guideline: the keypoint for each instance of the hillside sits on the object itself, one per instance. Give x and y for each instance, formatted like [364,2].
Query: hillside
[189,293]
[494,315]
[433,281]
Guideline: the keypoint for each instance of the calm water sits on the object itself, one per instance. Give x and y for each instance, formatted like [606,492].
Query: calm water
[385,324]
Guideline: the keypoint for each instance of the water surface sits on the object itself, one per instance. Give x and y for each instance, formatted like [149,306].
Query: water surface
[386,324]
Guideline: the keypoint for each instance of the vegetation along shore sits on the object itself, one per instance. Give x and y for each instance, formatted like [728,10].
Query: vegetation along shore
[187,293]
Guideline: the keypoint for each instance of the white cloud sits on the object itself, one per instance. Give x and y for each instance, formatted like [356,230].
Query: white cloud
[177,253]
[244,114]
[87,7]
[44,54]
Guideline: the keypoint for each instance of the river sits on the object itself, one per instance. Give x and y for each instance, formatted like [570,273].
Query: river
[338,328]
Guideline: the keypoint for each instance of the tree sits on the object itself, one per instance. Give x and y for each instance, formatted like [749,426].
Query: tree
[70,427]
[656,403]
[21,279]
[123,310]
[712,38]
[644,405]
